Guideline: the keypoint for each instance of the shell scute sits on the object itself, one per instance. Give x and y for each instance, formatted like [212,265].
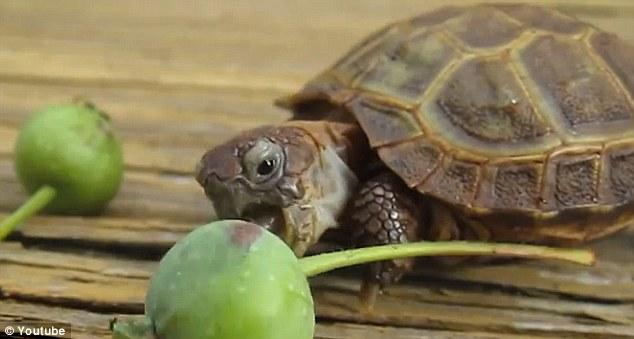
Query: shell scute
[618,56]
[580,94]
[516,185]
[493,28]
[486,101]
[454,180]
[577,182]
[364,55]
[573,177]
[619,173]
[414,159]
[406,69]
[383,123]
[536,17]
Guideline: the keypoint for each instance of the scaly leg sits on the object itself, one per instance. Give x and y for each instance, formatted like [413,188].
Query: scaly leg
[384,211]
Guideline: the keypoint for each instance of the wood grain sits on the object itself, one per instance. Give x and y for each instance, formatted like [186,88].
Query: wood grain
[91,325]
[274,44]
[87,281]
[179,78]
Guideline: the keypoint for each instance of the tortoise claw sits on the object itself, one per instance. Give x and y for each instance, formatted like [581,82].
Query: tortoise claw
[370,290]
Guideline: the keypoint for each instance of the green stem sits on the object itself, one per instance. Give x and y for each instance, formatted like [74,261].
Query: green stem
[317,264]
[36,202]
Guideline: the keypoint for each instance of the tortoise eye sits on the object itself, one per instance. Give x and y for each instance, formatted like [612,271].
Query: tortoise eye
[267,167]
[263,161]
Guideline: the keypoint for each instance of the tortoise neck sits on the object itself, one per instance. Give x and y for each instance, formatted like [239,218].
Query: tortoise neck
[345,138]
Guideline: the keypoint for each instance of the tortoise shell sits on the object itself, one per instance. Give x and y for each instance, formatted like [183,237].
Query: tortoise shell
[494,108]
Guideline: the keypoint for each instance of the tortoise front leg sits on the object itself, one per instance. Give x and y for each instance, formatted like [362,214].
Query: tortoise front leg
[384,211]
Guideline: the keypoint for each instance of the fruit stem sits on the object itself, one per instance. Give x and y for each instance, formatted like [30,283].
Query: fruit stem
[36,202]
[317,264]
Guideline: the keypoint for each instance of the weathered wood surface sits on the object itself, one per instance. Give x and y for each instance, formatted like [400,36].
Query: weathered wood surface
[179,78]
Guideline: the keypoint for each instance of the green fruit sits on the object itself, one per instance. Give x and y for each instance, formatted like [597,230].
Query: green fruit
[72,149]
[230,280]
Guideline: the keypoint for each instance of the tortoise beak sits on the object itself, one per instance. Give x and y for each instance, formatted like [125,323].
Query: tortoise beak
[295,224]
[267,216]
[300,225]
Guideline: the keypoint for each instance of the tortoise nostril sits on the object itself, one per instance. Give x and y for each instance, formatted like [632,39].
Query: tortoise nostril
[220,161]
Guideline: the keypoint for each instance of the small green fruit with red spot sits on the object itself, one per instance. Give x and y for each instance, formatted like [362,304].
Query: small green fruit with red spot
[230,280]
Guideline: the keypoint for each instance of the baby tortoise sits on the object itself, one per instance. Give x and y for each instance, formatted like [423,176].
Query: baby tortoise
[506,123]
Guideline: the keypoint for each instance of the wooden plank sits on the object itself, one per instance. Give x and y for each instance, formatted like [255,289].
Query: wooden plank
[244,44]
[87,282]
[407,312]
[589,283]
[340,330]
[86,324]
[158,235]
[106,233]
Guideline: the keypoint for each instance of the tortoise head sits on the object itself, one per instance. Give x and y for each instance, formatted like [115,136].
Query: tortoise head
[282,178]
